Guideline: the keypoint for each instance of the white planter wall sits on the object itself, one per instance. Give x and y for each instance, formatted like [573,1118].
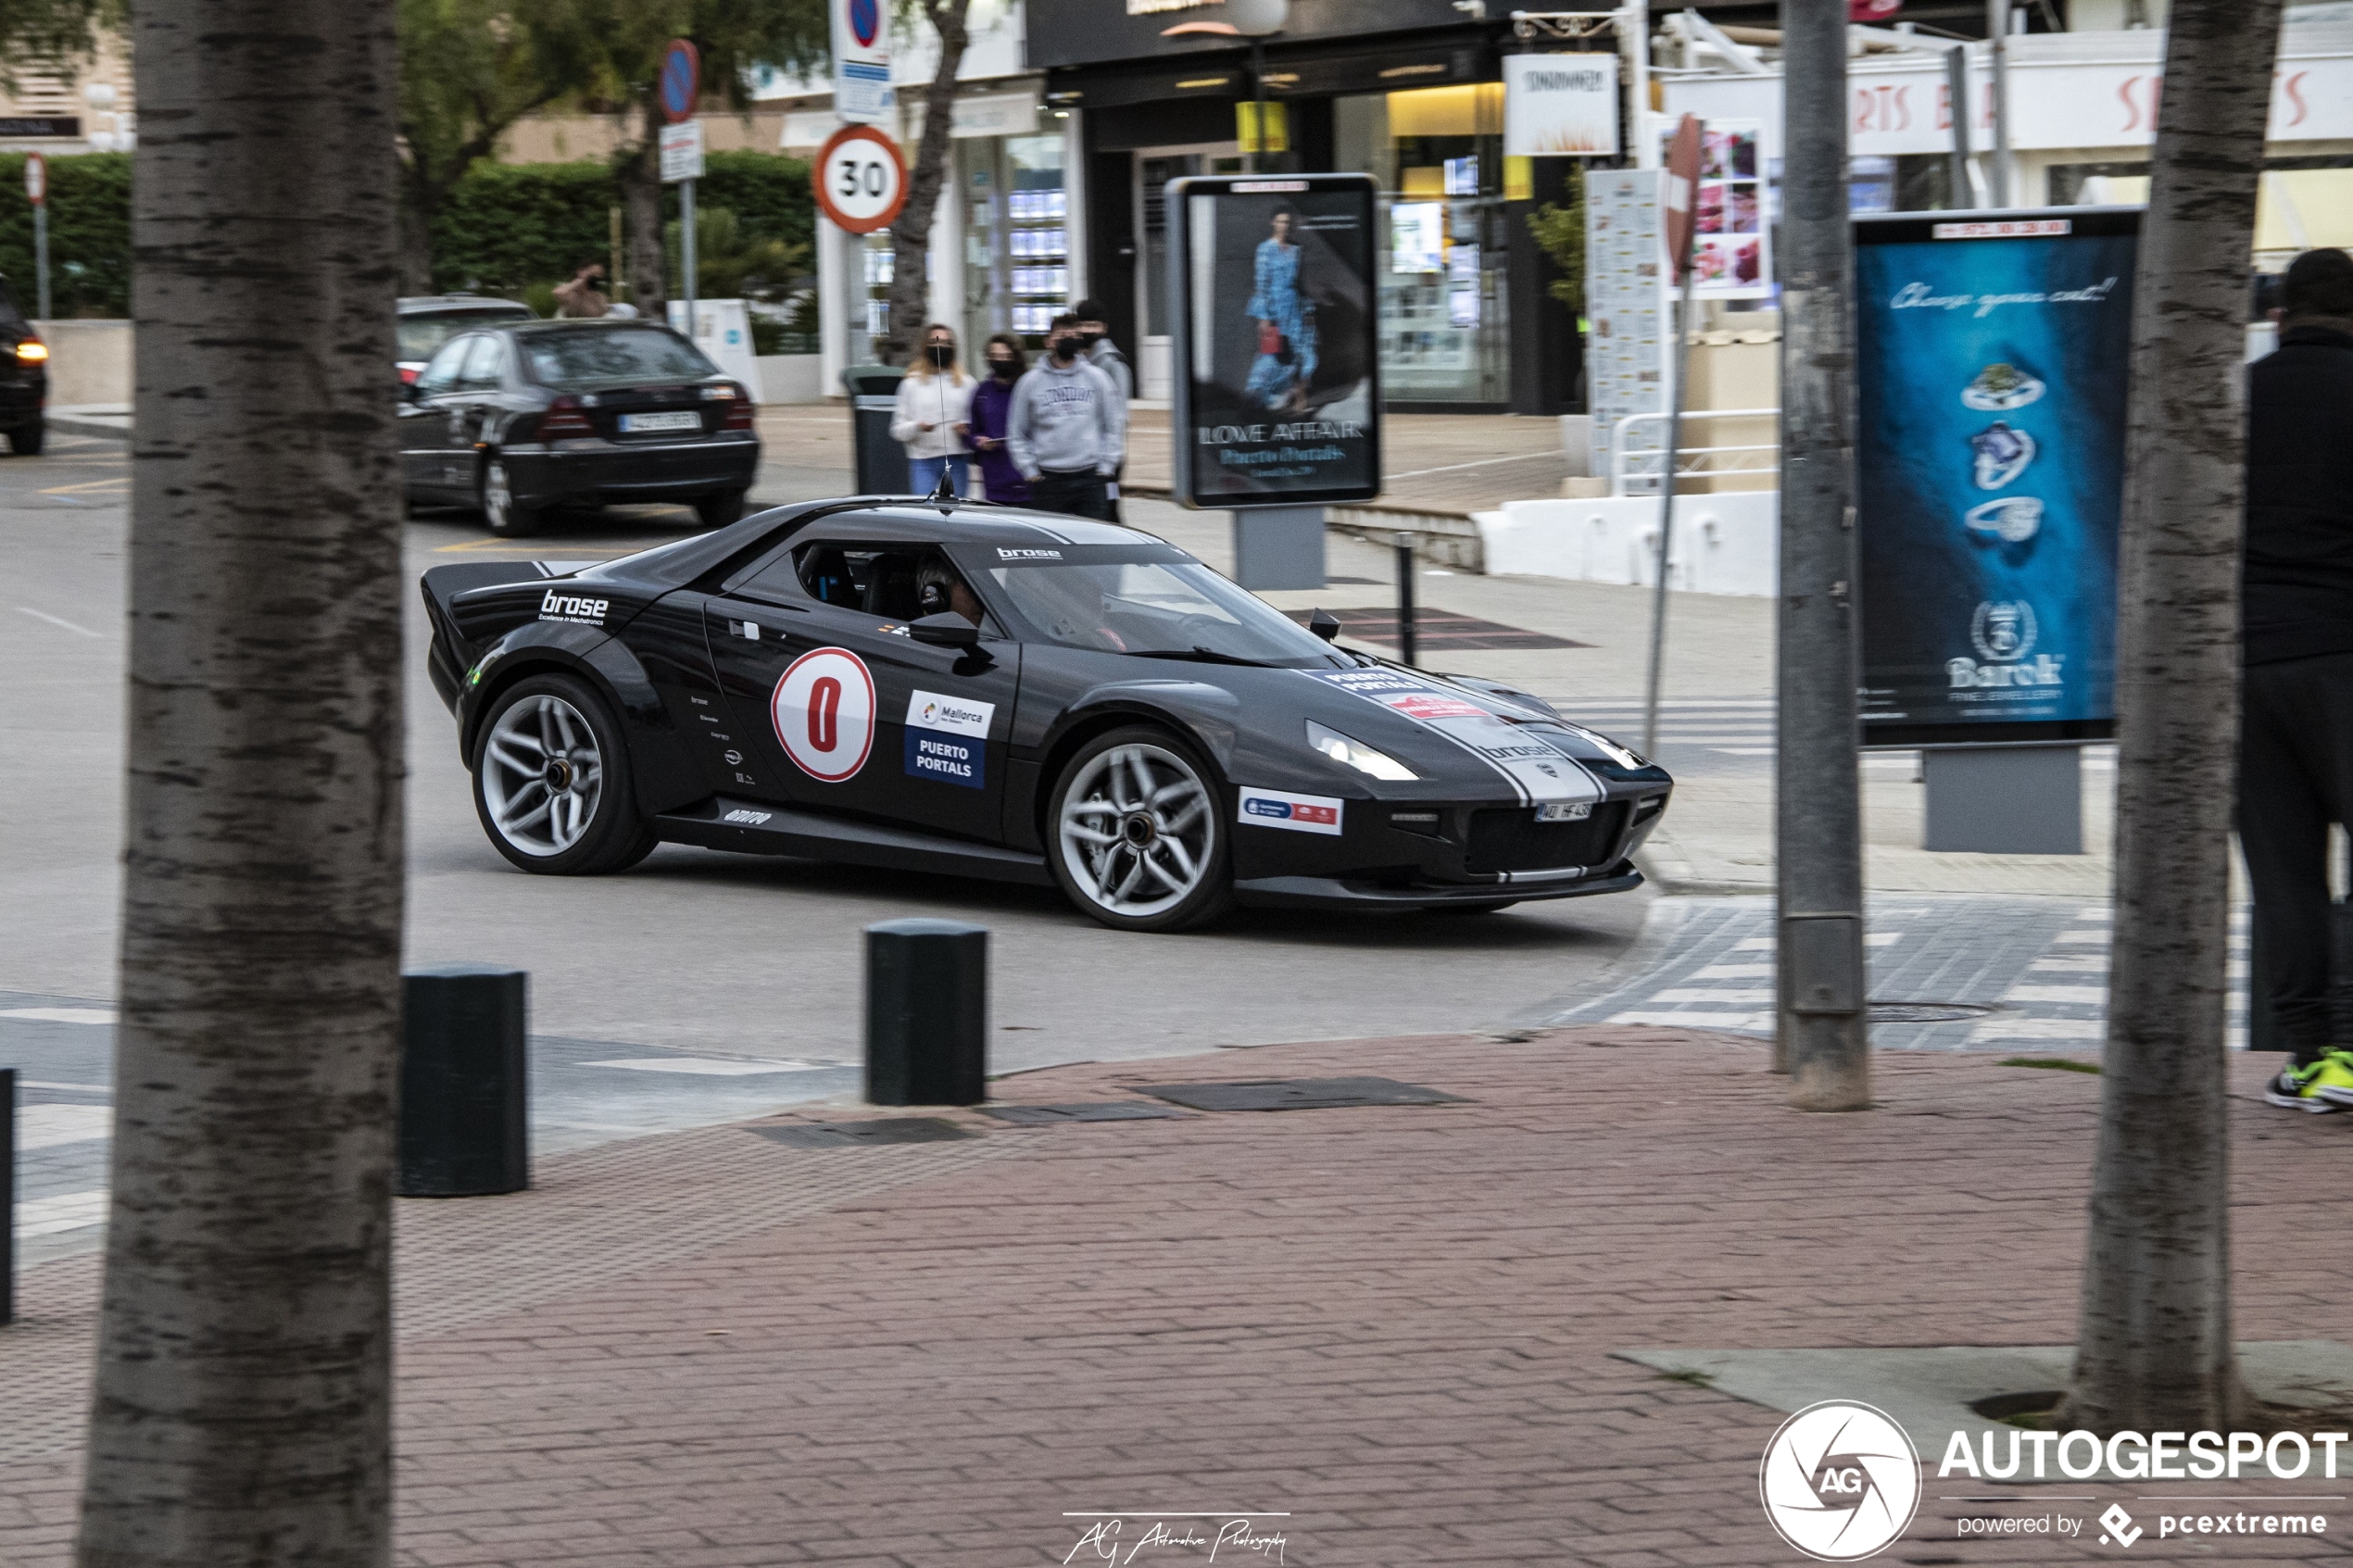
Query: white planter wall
[1723,544]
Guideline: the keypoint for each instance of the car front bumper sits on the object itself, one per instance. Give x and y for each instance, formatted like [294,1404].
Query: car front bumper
[592,469]
[1340,893]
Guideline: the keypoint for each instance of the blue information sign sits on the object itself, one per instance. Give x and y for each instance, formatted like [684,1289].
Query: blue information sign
[681,80]
[1991,384]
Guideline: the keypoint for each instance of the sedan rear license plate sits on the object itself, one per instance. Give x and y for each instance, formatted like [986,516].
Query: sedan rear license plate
[1563,812]
[632,423]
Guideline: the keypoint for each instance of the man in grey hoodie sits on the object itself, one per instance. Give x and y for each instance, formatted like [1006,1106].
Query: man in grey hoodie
[1067,428]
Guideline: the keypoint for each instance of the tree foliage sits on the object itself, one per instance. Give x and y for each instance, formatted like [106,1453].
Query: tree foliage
[37,31]
[1560,233]
[731,262]
[89,234]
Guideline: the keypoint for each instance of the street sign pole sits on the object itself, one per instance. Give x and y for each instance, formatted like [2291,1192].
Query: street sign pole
[1822,1038]
[680,91]
[36,187]
[1683,189]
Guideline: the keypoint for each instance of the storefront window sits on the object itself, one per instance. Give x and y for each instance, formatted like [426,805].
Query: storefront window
[1439,154]
[1016,234]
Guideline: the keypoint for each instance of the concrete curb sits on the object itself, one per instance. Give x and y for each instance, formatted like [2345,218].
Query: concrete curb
[79,424]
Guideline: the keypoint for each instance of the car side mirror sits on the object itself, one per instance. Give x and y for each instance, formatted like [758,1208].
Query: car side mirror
[947,630]
[1324,625]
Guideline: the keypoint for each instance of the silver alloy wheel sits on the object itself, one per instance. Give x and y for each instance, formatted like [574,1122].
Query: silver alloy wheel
[1138,831]
[497,498]
[542,775]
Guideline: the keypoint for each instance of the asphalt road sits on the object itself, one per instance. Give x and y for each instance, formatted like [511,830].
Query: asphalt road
[694,950]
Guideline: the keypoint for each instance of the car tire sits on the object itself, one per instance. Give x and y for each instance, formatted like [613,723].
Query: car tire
[495,493]
[1137,835]
[25,440]
[718,511]
[576,814]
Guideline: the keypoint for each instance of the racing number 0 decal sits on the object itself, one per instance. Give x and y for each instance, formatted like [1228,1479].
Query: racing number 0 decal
[824,711]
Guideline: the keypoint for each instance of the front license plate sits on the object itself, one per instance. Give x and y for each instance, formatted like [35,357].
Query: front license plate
[632,423]
[1561,811]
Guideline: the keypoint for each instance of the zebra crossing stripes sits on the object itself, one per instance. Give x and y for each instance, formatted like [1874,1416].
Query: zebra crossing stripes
[1732,726]
[2042,1006]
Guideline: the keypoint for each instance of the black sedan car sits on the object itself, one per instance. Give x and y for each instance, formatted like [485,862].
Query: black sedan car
[24,379]
[528,418]
[989,691]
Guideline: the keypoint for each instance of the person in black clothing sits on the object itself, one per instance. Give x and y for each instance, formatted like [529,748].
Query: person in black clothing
[2296,751]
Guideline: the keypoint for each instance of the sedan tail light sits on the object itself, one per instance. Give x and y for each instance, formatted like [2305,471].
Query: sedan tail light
[739,402]
[565,417]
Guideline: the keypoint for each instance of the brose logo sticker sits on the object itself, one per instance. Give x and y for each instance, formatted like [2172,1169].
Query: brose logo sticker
[824,711]
[1298,813]
[571,606]
[1004,553]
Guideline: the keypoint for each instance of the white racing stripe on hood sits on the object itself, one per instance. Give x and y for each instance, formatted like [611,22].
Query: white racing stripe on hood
[1540,773]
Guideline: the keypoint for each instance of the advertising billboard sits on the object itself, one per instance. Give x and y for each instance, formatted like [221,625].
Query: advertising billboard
[1276,353]
[1990,467]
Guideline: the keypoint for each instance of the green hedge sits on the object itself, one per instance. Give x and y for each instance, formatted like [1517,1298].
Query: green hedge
[509,227]
[505,228]
[89,234]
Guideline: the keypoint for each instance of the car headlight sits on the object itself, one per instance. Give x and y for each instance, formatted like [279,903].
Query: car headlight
[1357,754]
[1617,754]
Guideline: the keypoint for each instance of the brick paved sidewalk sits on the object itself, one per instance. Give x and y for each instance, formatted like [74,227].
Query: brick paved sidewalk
[1393,1326]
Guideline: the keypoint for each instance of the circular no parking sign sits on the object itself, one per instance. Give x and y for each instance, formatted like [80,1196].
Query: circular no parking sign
[862,183]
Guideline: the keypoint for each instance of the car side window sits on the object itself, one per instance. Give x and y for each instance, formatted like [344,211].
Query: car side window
[485,365]
[440,373]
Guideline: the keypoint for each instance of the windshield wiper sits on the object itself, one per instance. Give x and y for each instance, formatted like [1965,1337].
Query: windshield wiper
[1206,655]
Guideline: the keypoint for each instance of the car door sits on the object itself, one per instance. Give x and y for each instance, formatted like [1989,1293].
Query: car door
[424,416]
[469,406]
[840,708]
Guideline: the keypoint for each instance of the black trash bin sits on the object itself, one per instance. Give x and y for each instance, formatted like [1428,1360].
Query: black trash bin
[465,1129]
[882,462]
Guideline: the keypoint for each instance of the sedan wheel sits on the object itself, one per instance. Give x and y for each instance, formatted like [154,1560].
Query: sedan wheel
[1139,840]
[551,781]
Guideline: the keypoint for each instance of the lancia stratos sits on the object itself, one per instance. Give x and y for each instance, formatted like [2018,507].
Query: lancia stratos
[980,691]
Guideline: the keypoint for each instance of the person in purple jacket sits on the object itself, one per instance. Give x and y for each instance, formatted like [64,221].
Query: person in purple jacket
[992,401]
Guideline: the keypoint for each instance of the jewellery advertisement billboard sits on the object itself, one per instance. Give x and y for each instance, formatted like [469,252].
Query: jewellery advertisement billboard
[1990,471]
[1276,349]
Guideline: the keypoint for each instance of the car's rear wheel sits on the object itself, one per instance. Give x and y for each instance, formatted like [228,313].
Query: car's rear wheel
[551,781]
[26,439]
[718,511]
[1137,838]
[501,508]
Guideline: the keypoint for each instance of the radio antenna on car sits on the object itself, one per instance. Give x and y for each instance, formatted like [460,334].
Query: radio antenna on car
[943,494]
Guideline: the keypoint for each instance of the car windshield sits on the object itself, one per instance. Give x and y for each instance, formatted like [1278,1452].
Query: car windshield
[1168,608]
[613,355]
[421,334]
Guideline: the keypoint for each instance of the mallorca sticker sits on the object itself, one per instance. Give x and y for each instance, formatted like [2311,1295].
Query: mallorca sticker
[958,716]
[1299,813]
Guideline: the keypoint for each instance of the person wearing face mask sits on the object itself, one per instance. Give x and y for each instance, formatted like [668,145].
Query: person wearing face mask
[1067,428]
[1094,337]
[933,413]
[992,403]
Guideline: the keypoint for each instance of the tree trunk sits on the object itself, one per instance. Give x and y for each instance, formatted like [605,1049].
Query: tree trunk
[641,210]
[241,1408]
[910,235]
[2153,1346]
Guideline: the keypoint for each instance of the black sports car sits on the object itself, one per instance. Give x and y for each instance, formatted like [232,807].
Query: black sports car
[522,419]
[996,693]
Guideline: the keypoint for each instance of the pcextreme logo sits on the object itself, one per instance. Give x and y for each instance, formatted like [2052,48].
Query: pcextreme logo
[1840,1481]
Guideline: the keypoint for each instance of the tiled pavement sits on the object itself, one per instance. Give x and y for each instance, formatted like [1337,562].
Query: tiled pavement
[1389,1332]
[2020,974]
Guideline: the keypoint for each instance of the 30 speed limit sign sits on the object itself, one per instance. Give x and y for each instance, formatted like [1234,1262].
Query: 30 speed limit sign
[861,182]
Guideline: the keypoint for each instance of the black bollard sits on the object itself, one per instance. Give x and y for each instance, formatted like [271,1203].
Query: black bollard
[927,1013]
[8,1196]
[465,1127]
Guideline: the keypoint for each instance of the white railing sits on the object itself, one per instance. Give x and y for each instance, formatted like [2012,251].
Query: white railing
[1637,473]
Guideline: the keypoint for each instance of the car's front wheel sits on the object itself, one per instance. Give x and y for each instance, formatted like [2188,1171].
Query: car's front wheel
[501,508]
[26,439]
[1137,838]
[551,781]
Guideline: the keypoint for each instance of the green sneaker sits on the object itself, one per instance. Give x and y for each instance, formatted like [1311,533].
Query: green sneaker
[2333,1082]
[2325,1085]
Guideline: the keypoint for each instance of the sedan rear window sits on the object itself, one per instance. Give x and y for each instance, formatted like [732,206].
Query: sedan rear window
[421,334]
[613,355]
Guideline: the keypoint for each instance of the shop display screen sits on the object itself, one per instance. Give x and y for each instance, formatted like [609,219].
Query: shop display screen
[1276,351]
[1990,466]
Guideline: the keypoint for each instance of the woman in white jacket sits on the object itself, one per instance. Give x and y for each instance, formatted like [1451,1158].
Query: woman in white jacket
[934,414]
